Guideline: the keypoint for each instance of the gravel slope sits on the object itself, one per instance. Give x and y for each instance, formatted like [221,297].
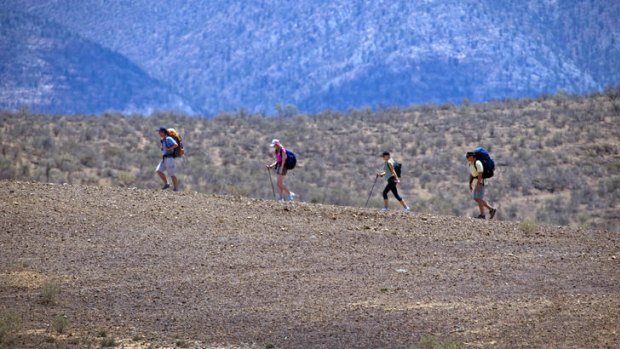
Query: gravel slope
[191,269]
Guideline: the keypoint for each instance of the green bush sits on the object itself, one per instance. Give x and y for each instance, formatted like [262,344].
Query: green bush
[9,325]
[60,324]
[108,342]
[49,292]
[528,226]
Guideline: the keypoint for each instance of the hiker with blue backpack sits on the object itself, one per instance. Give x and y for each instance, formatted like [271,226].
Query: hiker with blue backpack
[285,160]
[391,170]
[481,167]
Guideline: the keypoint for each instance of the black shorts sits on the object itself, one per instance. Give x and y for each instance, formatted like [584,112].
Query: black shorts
[281,170]
[391,187]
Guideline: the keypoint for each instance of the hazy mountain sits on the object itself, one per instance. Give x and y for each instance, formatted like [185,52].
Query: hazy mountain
[224,55]
[46,68]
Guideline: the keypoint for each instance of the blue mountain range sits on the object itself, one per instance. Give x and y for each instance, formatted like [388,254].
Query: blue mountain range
[208,57]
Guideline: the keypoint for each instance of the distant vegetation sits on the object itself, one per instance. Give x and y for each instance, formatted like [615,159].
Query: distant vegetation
[558,155]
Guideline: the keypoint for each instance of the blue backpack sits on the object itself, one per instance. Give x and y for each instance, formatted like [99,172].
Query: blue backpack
[291,160]
[487,163]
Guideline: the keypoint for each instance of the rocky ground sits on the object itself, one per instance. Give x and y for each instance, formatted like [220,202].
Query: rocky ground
[142,268]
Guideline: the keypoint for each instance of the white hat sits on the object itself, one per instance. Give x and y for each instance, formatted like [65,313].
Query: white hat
[275,142]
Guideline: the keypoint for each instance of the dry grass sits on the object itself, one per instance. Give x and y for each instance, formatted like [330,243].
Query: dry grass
[558,156]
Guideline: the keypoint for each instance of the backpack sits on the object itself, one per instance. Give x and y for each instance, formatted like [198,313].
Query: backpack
[397,167]
[178,151]
[487,163]
[291,160]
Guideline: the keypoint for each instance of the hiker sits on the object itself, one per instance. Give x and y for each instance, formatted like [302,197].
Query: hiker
[279,164]
[392,181]
[167,163]
[477,183]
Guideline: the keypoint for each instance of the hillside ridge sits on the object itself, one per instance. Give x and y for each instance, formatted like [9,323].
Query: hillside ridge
[545,148]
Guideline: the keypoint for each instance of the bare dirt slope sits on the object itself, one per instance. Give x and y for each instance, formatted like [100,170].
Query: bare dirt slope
[196,270]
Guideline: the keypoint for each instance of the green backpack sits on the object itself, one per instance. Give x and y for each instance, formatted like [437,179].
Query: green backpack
[397,166]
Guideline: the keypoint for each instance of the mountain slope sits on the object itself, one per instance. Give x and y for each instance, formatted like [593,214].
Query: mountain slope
[193,270]
[46,68]
[319,54]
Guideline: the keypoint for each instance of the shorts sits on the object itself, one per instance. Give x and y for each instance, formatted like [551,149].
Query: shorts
[168,165]
[281,170]
[479,194]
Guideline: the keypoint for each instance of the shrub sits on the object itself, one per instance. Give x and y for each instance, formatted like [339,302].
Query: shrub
[60,324]
[528,226]
[108,342]
[432,342]
[182,344]
[49,292]
[9,325]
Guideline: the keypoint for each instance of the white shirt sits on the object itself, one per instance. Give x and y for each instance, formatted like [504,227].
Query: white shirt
[475,168]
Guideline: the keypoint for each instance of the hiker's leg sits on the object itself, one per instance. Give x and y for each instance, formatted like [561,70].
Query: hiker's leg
[385,195]
[480,206]
[479,198]
[174,182]
[485,204]
[281,187]
[398,197]
[395,192]
[161,167]
[162,176]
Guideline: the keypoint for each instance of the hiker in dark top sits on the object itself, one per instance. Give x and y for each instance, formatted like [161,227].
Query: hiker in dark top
[392,182]
[167,163]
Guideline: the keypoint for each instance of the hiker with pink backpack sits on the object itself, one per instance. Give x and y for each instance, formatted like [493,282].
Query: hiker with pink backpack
[285,161]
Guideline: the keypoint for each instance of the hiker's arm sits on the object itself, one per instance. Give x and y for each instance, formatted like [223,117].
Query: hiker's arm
[480,171]
[471,181]
[174,145]
[381,174]
[391,167]
[479,180]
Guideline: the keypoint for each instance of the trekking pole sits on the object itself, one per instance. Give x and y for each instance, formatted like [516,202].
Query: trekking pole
[371,189]
[271,181]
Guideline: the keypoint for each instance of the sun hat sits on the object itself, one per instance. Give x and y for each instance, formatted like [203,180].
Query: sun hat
[275,142]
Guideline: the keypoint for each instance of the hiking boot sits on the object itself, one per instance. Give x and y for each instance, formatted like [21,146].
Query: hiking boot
[291,196]
[384,210]
[406,209]
[492,213]
[481,217]
[175,189]
[166,186]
